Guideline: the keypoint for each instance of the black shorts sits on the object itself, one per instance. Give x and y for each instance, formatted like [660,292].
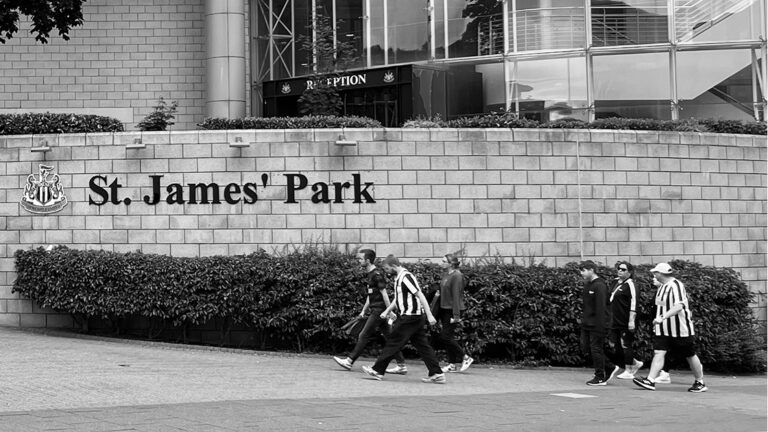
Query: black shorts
[682,346]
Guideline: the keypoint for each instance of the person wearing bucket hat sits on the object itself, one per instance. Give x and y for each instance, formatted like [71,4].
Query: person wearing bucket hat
[673,330]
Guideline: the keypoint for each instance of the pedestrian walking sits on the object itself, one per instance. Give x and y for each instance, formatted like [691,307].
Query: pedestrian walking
[673,330]
[414,313]
[376,301]
[451,304]
[595,323]
[623,311]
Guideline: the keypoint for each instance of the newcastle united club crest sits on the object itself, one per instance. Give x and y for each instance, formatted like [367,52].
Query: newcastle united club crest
[43,194]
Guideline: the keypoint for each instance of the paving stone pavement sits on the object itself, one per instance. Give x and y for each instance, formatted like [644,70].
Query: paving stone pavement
[57,381]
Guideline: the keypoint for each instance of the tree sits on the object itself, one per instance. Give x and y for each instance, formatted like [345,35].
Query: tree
[45,14]
[325,59]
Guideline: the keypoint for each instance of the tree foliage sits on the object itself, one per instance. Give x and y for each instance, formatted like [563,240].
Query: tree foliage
[46,15]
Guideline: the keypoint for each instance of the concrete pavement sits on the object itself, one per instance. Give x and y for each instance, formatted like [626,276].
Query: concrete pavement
[54,381]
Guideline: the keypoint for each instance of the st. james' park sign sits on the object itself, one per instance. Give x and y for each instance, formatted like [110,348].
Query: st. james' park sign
[104,191]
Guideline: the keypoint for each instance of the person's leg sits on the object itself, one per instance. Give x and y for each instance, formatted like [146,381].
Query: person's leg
[386,330]
[627,340]
[616,353]
[368,332]
[401,332]
[656,364]
[448,338]
[696,367]
[597,349]
[420,341]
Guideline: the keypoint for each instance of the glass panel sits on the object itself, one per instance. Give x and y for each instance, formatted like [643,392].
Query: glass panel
[716,84]
[551,89]
[408,27]
[474,28]
[350,27]
[281,55]
[631,22]
[439,28]
[376,44]
[632,86]
[550,24]
[717,20]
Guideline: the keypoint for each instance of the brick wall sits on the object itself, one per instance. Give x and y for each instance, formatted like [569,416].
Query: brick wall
[124,57]
[644,196]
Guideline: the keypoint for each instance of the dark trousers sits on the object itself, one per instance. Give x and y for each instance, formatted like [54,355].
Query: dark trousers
[373,326]
[447,336]
[408,328]
[622,352]
[593,343]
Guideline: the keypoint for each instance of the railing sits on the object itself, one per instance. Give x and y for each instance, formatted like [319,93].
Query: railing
[695,16]
[631,26]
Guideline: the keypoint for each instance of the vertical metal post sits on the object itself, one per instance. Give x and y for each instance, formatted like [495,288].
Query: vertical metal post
[673,83]
[431,18]
[293,39]
[335,30]
[588,61]
[367,24]
[386,32]
[505,18]
[588,24]
[271,41]
[314,36]
[445,27]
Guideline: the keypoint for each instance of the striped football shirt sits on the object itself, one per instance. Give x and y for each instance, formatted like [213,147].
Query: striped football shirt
[406,290]
[668,295]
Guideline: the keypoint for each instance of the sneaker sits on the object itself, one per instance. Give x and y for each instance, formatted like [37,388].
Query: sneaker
[611,373]
[398,369]
[627,374]
[449,368]
[372,374]
[597,381]
[346,363]
[698,387]
[636,365]
[435,379]
[466,363]
[645,383]
[663,378]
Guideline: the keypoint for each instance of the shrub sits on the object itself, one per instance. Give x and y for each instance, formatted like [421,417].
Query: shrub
[320,100]
[424,122]
[297,300]
[306,122]
[49,123]
[160,118]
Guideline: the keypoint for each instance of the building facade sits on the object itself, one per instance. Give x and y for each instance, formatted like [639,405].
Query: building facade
[544,59]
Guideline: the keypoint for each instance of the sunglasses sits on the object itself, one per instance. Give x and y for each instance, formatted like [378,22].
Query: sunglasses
[622,269]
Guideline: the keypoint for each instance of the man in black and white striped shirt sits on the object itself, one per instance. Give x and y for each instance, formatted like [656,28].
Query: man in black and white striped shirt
[414,313]
[673,329]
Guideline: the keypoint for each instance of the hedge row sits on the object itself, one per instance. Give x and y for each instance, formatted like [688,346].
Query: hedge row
[299,300]
[510,120]
[305,122]
[49,123]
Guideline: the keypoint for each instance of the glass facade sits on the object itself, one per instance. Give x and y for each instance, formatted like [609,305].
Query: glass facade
[544,59]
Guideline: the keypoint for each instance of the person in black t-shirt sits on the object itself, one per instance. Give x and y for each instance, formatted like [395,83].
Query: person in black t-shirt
[595,323]
[376,301]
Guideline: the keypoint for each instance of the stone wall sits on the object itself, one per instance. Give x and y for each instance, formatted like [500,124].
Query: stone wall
[554,196]
[124,57]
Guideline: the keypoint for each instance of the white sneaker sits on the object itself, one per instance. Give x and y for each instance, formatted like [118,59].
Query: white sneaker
[627,374]
[466,363]
[449,368]
[637,364]
[345,363]
[663,378]
[398,370]
[435,379]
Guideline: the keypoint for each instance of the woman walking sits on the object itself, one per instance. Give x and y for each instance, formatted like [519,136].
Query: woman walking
[451,300]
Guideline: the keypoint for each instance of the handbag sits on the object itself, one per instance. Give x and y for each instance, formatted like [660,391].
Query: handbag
[354,326]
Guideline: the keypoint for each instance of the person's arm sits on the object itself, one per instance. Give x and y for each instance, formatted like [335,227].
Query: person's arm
[632,305]
[672,312]
[388,310]
[425,305]
[365,307]
[385,296]
[457,282]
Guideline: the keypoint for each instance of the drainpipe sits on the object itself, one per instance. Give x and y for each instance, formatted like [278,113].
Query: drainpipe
[225,58]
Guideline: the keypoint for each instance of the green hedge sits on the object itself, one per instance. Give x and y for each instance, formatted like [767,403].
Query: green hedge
[49,123]
[305,122]
[298,300]
[510,120]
